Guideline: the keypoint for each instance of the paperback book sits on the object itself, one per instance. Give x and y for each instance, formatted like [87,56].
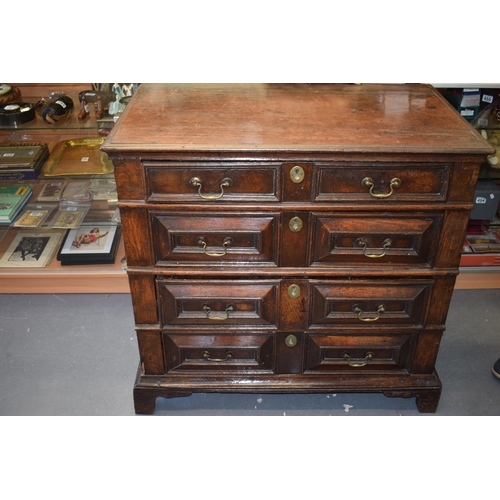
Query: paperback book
[12,199]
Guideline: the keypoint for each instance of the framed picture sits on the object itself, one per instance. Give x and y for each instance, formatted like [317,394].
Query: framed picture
[32,248]
[96,244]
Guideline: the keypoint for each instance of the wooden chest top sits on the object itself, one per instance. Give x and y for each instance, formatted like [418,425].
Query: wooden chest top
[410,118]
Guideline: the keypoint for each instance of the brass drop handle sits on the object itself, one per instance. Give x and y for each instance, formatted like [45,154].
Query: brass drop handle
[196,182]
[359,312]
[227,242]
[208,310]
[229,356]
[357,364]
[368,182]
[363,243]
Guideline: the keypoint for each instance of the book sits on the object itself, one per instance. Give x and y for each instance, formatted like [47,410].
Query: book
[32,248]
[12,199]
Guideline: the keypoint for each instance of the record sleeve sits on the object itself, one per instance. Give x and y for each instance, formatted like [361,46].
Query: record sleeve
[90,245]
[68,218]
[34,215]
[52,191]
[32,248]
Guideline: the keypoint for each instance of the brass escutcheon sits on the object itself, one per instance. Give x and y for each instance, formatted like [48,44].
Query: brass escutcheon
[295,224]
[294,291]
[297,174]
[291,341]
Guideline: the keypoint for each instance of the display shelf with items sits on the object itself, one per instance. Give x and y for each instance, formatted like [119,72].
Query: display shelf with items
[480,266]
[61,136]
[91,231]
[65,237]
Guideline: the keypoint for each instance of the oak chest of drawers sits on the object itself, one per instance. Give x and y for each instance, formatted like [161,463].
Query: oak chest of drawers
[292,238]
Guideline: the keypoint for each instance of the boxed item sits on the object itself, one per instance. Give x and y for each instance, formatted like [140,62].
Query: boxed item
[468,113]
[22,161]
[481,250]
[466,101]
[486,198]
[471,98]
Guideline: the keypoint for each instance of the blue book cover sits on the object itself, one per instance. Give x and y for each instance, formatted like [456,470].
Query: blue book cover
[12,199]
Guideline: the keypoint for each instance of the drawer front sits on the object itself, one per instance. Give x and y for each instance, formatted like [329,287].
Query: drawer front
[375,239]
[219,353]
[383,182]
[204,183]
[369,303]
[218,304]
[215,239]
[351,353]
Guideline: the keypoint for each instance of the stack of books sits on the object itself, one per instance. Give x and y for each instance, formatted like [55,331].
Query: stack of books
[12,199]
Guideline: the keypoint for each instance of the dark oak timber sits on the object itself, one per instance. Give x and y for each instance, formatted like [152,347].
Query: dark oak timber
[292,238]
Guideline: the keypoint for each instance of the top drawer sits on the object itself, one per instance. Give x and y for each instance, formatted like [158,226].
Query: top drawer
[205,183]
[382,182]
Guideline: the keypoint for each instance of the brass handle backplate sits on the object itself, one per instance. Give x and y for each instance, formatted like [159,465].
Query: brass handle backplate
[357,364]
[229,356]
[208,310]
[196,182]
[363,243]
[368,182]
[227,242]
[359,312]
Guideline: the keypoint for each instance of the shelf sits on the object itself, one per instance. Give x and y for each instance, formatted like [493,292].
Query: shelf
[55,278]
[39,131]
[67,279]
[475,278]
[111,278]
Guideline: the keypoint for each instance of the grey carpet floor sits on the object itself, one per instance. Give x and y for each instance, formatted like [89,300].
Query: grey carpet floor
[77,355]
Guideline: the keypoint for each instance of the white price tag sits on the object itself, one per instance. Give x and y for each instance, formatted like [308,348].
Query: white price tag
[85,158]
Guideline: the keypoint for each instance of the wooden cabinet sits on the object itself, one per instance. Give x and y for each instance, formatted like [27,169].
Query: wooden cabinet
[292,238]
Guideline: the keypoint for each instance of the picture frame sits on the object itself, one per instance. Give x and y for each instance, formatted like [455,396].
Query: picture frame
[32,248]
[92,244]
